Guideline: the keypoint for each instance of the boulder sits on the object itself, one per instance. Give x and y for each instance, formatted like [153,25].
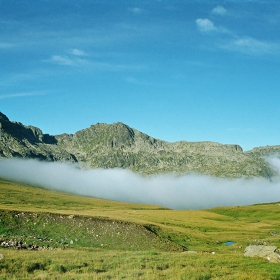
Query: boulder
[189,252]
[268,252]
[1,256]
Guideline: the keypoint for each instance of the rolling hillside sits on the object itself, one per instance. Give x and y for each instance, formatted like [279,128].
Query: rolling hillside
[52,235]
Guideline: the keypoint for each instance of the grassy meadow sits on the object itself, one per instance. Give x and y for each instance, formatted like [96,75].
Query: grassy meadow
[90,238]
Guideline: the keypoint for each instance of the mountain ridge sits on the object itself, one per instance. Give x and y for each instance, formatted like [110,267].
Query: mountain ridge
[119,146]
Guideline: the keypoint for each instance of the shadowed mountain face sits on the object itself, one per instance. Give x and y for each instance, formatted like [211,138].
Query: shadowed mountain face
[118,145]
[17,140]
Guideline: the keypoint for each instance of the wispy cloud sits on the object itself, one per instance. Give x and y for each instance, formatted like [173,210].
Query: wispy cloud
[137,81]
[233,42]
[77,52]
[73,60]
[24,76]
[136,10]
[76,58]
[141,81]
[219,10]
[251,46]
[205,25]
[62,60]
[106,66]
[6,45]
[21,94]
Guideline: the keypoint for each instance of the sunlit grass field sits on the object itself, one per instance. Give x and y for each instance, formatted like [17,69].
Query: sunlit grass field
[203,231]
[96,264]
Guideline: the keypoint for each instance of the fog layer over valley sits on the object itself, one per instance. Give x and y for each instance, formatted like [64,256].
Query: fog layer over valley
[177,192]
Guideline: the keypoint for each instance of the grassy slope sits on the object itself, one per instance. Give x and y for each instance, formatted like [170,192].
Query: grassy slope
[203,231]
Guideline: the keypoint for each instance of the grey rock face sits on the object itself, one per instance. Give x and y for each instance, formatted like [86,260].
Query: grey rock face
[268,252]
[17,140]
[118,145]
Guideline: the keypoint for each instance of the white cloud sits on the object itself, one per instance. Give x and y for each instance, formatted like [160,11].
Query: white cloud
[74,60]
[251,46]
[77,52]
[219,10]
[21,94]
[62,60]
[236,43]
[177,192]
[205,25]
[136,10]
[77,61]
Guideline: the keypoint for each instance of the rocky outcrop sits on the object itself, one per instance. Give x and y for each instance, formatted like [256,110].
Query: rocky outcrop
[264,151]
[118,145]
[17,140]
[50,231]
[268,252]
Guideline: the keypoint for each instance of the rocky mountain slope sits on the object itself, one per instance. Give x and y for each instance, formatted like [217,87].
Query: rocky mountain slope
[118,145]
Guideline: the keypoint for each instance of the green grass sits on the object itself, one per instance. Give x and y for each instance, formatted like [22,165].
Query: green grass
[96,264]
[52,231]
[17,196]
[142,241]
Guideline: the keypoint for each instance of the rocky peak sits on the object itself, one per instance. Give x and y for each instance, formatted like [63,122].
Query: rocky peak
[3,117]
[111,135]
[118,145]
[21,132]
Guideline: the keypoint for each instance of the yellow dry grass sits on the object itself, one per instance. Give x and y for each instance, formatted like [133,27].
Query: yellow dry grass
[204,231]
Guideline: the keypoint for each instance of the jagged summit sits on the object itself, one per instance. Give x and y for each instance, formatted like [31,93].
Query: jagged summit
[17,140]
[118,145]
[3,117]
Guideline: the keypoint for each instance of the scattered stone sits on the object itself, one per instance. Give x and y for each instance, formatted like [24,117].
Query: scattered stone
[1,256]
[189,252]
[268,252]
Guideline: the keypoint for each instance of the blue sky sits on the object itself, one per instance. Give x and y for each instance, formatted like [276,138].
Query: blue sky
[176,70]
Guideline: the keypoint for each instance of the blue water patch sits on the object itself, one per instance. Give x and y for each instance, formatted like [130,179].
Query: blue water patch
[228,243]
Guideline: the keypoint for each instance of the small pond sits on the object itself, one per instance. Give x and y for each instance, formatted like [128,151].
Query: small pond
[228,243]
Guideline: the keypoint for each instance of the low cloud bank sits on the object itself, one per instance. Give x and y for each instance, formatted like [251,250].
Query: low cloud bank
[176,192]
